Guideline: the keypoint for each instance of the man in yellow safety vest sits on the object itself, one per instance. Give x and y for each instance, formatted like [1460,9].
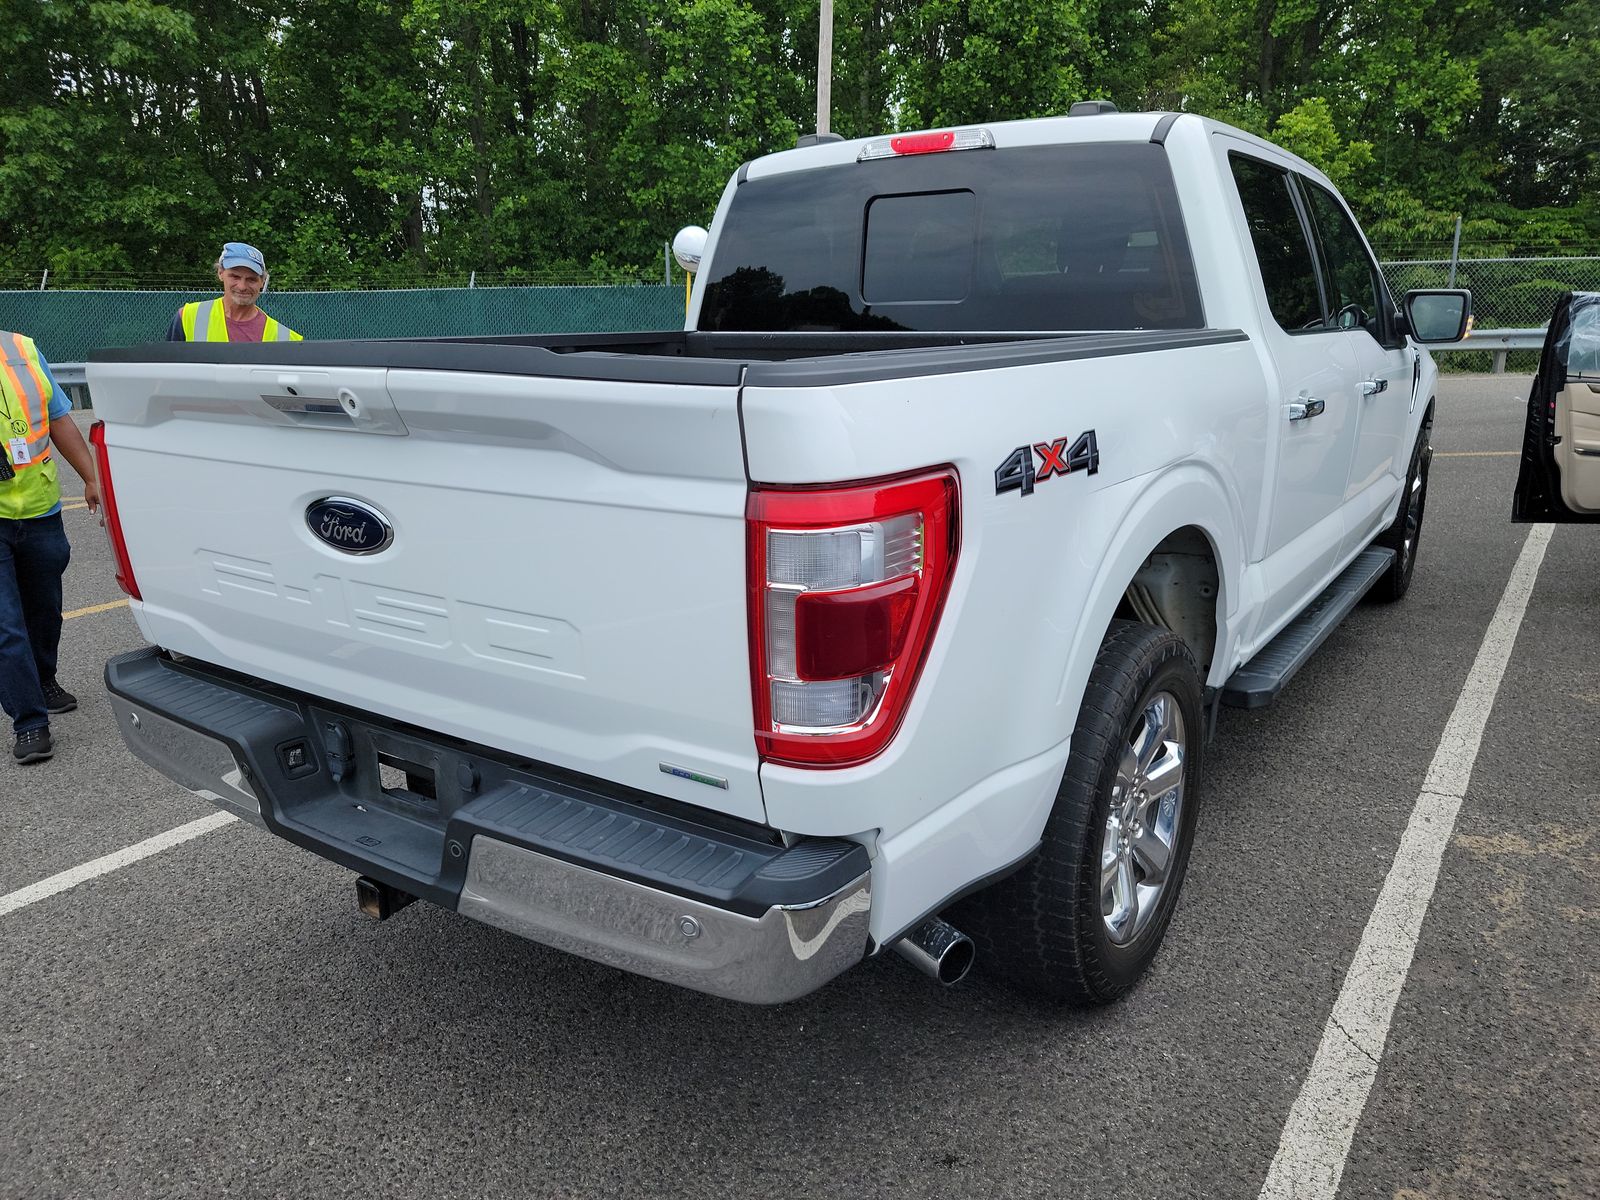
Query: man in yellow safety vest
[233,316]
[34,422]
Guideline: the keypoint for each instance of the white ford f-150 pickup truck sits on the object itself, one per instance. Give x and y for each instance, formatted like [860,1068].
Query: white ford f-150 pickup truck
[887,605]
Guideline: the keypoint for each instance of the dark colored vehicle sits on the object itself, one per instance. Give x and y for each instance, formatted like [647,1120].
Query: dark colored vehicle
[1560,476]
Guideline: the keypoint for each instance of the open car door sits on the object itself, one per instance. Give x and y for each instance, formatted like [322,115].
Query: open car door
[1560,476]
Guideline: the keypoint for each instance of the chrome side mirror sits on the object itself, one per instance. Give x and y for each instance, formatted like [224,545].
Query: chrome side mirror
[688,246]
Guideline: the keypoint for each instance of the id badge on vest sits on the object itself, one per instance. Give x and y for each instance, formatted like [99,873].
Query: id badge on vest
[19,452]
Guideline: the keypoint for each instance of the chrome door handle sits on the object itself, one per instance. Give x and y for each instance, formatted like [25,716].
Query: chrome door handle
[1302,410]
[1371,387]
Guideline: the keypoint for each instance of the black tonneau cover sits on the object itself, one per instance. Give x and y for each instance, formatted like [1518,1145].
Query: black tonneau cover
[705,359]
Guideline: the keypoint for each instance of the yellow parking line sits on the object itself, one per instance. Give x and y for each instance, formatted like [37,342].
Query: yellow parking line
[92,609]
[70,507]
[1476,453]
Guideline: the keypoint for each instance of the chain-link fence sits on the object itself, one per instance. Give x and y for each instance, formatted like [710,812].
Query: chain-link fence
[1507,293]
[69,325]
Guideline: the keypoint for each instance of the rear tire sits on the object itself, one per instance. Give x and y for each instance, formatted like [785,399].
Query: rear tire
[1081,922]
[1405,534]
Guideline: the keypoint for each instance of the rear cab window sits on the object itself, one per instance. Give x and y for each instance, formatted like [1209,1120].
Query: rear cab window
[1025,239]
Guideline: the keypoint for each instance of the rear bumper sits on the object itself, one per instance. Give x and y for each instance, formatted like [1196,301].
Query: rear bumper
[784,953]
[605,874]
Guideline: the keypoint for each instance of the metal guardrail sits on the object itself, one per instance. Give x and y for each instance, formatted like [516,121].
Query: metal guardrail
[1499,342]
[75,378]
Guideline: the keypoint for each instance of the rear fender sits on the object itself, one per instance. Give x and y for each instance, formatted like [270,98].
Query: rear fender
[1189,495]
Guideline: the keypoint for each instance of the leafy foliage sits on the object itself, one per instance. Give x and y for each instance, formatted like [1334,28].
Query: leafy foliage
[363,140]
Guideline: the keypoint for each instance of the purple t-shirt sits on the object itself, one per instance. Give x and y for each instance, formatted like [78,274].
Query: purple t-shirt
[238,331]
[247,331]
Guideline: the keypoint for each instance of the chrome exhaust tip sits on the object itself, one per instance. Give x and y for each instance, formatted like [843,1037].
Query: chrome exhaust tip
[939,950]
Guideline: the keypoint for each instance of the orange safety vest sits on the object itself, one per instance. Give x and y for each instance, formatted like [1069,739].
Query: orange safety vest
[25,393]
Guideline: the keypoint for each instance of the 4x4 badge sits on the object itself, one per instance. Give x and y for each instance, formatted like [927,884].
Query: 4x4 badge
[1018,473]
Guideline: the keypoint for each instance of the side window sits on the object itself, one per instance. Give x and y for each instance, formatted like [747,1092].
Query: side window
[1355,291]
[1279,238]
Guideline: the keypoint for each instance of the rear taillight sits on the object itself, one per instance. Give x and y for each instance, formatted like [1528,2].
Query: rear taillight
[846,587]
[108,508]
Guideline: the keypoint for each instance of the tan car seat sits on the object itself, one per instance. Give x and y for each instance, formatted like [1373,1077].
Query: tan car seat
[1577,452]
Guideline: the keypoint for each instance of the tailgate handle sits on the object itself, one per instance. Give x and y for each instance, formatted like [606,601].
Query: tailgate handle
[347,405]
[345,409]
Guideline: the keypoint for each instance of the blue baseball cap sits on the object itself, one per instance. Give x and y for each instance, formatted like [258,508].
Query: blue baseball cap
[239,254]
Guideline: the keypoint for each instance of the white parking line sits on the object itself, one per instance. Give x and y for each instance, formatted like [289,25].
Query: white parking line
[1316,1139]
[45,888]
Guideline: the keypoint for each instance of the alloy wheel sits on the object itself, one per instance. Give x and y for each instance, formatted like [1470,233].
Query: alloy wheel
[1139,842]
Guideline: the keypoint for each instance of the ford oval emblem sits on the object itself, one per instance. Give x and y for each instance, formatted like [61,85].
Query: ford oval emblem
[349,526]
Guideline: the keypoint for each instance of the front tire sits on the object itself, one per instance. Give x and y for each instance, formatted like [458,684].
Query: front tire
[1405,534]
[1081,922]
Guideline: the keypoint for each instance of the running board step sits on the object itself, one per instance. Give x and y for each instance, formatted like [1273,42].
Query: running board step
[1260,680]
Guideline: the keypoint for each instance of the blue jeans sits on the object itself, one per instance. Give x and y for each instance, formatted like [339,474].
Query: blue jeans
[33,557]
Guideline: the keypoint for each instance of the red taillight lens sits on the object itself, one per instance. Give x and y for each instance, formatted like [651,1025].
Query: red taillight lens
[838,635]
[846,587]
[923,143]
[108,505]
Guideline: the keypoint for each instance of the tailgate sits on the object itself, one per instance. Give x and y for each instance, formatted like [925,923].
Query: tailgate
[565,579]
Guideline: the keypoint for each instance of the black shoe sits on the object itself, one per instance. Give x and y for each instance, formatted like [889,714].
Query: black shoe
[57,699]
[32,746]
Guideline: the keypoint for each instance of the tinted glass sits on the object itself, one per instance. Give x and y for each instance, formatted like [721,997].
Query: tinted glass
[1023,239]
[919,248]
[1355,295]
[1279,238]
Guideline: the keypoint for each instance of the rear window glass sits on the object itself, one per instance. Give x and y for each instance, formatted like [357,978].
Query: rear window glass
[1024,239]
[919,248]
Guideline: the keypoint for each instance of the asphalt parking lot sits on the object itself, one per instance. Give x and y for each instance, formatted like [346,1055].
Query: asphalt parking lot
[217,1019]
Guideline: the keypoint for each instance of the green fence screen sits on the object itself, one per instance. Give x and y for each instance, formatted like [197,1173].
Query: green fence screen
[70,325]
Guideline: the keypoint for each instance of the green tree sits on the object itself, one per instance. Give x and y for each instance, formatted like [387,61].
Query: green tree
[988,60]
[379,139]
